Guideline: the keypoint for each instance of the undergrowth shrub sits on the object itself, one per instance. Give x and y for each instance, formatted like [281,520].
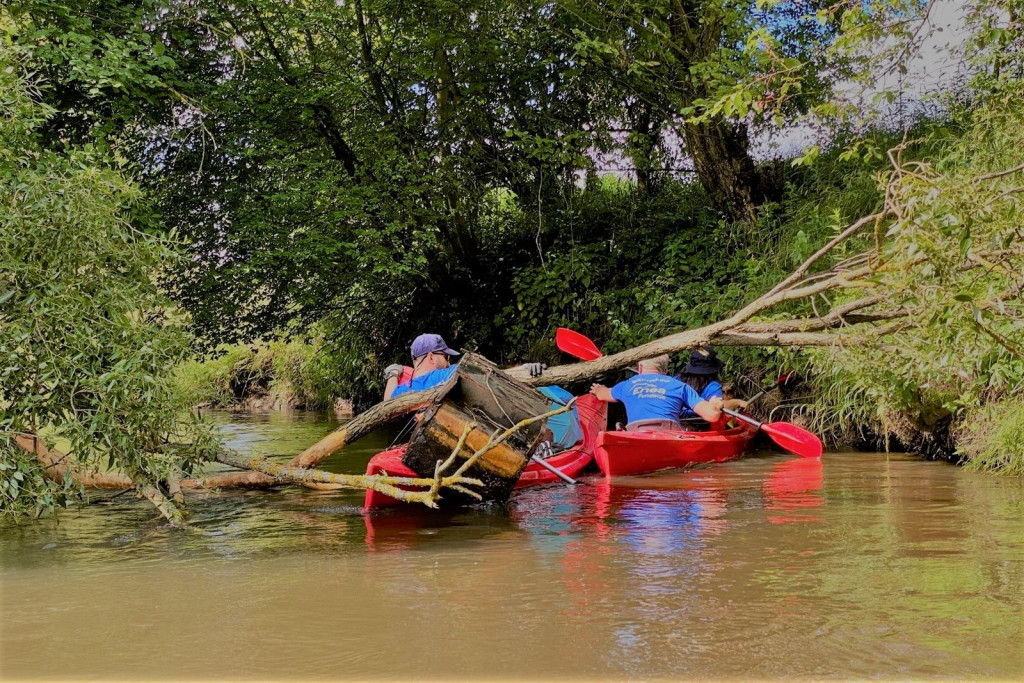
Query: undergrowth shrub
[293,371]
[992,438]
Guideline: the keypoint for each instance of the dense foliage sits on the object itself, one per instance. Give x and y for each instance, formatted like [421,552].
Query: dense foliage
[382,168]
[354,173]
[85,337]
[953,256]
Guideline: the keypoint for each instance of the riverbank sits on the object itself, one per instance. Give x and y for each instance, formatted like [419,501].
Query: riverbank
[277,375]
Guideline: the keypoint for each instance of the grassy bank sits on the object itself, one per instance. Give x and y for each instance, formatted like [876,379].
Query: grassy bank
[284,373]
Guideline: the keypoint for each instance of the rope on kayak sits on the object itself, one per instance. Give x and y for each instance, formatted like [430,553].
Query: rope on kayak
[487,383]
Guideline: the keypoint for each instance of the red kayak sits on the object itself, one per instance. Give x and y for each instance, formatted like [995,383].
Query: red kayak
[625,453]
[593,418]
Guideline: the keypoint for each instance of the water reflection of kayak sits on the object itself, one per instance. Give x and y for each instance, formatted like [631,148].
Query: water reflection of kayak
[627,453]
[593,417]
[791,487]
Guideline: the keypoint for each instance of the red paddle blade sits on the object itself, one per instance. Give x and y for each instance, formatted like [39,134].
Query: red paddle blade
[576,344]
[794,439]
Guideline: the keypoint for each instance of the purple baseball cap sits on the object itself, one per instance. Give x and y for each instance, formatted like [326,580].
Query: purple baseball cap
[429,343]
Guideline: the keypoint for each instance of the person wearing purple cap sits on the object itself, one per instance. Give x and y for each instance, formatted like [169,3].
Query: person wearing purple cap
[431,365]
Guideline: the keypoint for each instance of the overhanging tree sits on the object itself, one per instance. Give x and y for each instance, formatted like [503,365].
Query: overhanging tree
[709,71]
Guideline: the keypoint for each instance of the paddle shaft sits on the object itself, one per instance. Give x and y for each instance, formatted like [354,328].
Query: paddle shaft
[764,390]
[551,468]
[741,416]
[761,393]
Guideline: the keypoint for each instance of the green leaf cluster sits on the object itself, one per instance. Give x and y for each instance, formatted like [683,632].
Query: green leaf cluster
[953,257]
[86,339]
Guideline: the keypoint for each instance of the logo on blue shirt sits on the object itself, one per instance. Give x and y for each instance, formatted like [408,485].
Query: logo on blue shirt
[654,397]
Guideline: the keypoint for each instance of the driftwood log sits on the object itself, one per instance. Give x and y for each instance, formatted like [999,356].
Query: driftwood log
[482,400]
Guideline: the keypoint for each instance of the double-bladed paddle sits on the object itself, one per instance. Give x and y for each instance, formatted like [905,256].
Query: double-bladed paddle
[789,436]
[576,344]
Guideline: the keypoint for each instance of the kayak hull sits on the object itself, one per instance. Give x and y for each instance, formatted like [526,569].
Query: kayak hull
[620,454]
[593,416]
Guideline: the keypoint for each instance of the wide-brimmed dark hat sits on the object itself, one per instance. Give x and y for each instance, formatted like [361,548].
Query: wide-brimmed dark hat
[703,361]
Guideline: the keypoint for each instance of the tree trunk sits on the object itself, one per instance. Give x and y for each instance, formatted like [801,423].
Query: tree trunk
[57,465]
[720,148]
[721,159]
[643,144]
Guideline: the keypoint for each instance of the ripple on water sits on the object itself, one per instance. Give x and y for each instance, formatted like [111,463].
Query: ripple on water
[859,566]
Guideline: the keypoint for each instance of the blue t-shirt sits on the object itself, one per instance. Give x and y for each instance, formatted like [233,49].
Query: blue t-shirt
[710,391]
[431,379]
[655,397]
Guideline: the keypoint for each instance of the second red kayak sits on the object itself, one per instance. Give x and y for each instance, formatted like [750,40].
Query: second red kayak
[626,453]
[593,418]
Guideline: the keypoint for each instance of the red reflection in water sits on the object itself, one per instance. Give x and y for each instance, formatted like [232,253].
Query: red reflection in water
[791,487]
[400,529]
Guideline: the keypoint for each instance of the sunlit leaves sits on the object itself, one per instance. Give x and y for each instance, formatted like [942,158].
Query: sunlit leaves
[85,338]
[953,257]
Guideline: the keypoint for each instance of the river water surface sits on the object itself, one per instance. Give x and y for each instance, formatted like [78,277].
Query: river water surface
[856,566]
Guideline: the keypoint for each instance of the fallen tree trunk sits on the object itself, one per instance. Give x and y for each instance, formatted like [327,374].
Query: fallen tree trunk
[851,274]
[389,486]
[579,372]
[57,466]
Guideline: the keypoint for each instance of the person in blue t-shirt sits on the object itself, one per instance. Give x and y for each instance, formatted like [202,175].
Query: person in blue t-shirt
[431,365]
[654,401]
[701,374]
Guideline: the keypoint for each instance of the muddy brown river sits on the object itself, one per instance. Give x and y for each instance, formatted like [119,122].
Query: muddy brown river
[771,567]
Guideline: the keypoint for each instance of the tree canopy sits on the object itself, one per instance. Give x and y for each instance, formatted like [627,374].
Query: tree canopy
[85,336]
[184,174]
[362,164]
